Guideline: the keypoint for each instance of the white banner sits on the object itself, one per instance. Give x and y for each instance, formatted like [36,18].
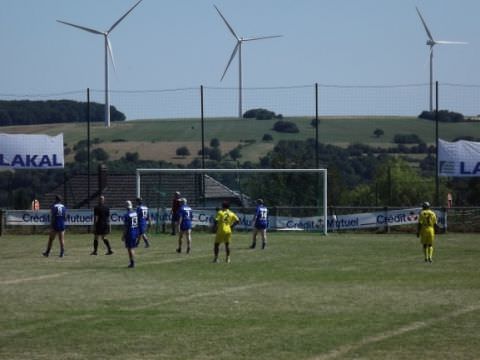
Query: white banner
[25,151]
[458,159]
[205,218]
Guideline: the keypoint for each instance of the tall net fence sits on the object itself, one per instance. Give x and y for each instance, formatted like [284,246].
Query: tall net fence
[361,121]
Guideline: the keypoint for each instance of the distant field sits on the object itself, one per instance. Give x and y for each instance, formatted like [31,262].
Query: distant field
[307,296]
[333,130]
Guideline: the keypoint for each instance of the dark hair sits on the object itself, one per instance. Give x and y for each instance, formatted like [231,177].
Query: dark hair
[58,198]
[139,200]
[225,205]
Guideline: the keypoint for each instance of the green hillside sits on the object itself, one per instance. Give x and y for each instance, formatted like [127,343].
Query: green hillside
[340,131]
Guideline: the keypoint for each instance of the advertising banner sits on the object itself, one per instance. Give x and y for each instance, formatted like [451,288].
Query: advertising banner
[205,218]
[458,159]
[26,151]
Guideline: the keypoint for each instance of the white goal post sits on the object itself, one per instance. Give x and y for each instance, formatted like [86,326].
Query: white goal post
[323,172]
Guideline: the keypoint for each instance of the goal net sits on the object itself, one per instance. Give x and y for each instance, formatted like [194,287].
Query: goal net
[296,198]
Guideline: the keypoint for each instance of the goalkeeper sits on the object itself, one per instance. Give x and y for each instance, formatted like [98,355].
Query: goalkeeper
[224,222]
[427,223]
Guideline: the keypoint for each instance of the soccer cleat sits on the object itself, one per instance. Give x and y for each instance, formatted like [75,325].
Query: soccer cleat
[132,265]
[227,260]
[46,253]
[109,252]
[430,260]
[188,250]
[253,246]
[147,245]
[93,253]
[264,245]
[215,260]
[62,254]
[179,250]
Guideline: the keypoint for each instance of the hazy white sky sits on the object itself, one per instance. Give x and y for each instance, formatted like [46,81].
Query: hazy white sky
[165,44]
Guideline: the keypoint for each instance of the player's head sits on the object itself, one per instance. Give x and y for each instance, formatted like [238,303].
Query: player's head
[128,204]
[177,194]
[426,205]
[259,201]
[58,199]
[139,200]
[183,201]
[101,199]
[225,205]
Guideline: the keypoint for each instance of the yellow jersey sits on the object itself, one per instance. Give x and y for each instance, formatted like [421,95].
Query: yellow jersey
[427,221]
[225,219]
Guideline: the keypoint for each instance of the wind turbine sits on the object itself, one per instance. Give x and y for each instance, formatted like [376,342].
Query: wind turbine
[108,52]
[432,42]
[238,48]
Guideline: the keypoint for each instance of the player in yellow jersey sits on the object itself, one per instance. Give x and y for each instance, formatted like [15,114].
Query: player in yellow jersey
[427,223]
[225,220]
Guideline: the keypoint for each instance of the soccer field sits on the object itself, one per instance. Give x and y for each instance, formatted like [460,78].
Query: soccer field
[307,296]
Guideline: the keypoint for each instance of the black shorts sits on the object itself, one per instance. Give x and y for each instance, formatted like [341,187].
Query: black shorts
[102,229]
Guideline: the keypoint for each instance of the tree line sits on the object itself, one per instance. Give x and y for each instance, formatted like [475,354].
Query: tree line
[27,112]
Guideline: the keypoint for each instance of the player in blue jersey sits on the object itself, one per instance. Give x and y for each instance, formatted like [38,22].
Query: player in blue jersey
[130,232]
[143,222]
[260,224]
[185,218]
[58,214]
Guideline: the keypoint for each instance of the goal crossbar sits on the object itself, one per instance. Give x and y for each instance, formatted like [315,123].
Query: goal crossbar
[237,171]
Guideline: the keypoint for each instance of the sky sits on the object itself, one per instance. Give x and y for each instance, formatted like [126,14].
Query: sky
[173,44]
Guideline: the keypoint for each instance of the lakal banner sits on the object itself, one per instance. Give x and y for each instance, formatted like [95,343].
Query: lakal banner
[27,151]
[458,159]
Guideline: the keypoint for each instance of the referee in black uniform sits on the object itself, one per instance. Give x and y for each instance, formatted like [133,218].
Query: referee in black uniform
[101,223]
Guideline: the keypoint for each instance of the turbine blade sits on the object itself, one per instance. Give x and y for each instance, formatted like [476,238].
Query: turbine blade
[110,52]
[124,16]
[226,23]
[234,52]
[93,31]
[425,25]
[262,37]
[451,42]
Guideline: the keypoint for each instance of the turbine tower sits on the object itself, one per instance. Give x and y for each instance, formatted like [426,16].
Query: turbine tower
[108,52]
[432,42]
[238,48]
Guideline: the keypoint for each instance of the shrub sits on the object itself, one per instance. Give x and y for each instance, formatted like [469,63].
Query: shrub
[267,137]
[443,116]
[99,154]
[132,157]
[215,154]
[285,127]
[261,114]
[214,143]
[378,132]
[235,153]
[183,151]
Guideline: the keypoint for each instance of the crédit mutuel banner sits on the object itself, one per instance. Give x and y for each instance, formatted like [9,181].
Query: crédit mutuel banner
[31,151]
[394,217]
[458,159]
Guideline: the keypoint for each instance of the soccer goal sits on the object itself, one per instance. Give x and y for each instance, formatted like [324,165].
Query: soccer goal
[296,198]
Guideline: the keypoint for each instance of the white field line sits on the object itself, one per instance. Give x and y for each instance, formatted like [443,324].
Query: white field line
[33,278]
[167,261]
[345,349]
[185,298]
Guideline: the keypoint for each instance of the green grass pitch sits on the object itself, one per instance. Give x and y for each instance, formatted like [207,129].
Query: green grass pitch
[307,296]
